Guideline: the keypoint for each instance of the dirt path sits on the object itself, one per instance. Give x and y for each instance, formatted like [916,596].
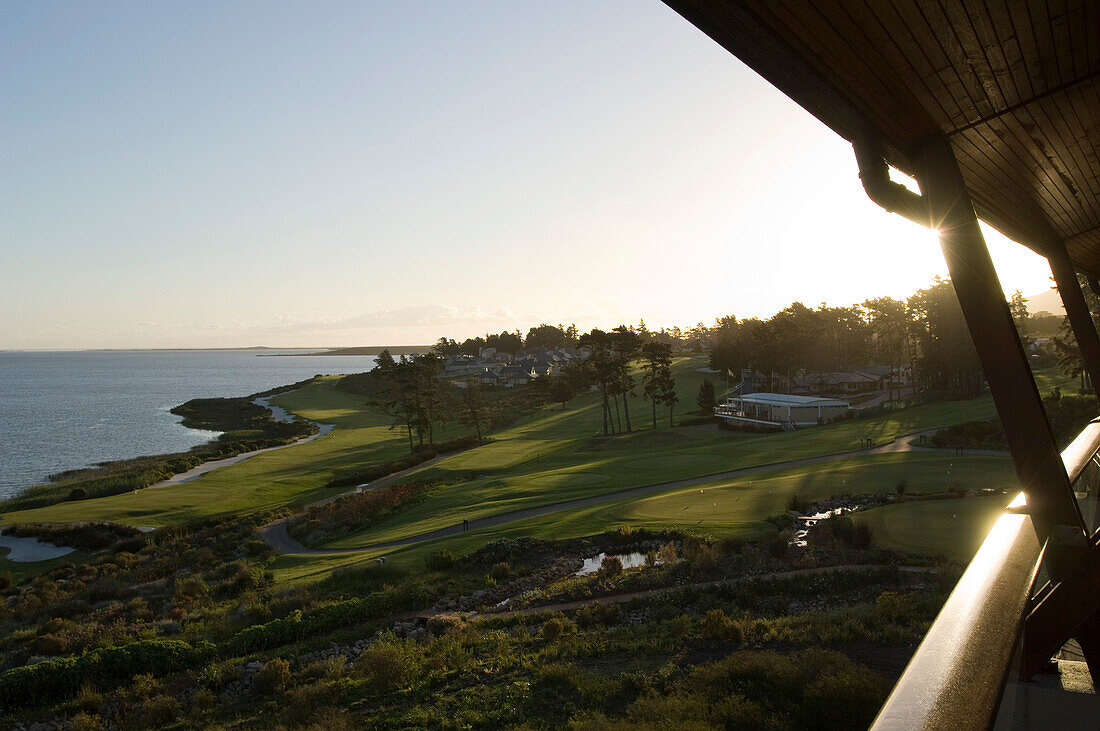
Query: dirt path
[624,598]
[276,536]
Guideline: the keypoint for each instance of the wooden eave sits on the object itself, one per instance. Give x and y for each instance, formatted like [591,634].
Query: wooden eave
[1013,84]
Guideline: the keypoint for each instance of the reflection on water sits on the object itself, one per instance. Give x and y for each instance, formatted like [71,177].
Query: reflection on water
[629,560]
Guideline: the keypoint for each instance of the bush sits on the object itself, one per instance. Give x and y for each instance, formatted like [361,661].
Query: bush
[273,676]
[85,722]
[440,560]
[611,566]
[443,624]
[386,666]
[500,571]
[552,629]
[55,679]
[717,626]
[158,711]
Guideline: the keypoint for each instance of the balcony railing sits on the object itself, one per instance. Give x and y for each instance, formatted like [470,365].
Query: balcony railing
[957,676]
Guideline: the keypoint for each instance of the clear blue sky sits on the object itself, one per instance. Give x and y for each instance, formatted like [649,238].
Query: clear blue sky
[337,173]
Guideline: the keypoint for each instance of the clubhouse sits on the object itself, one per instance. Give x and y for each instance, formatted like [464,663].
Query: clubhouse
[781,410]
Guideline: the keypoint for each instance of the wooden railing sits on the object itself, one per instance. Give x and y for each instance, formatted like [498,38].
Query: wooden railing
[957,676]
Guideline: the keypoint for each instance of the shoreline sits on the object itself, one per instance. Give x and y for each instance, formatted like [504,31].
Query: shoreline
[278,413]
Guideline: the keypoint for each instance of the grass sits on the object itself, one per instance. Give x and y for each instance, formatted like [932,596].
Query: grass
[953,529]
[732,507]
[295,474]
[548,456]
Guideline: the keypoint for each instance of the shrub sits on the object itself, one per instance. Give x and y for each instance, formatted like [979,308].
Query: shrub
[891,604]
[330,669]
[611,566]
[88,698]
[717,626]
[442,624]
[203,699]
[500,571]
[273,676]
[158,711]
[85,722]
[440,560]
[608,614]
[386,666]
[552,629]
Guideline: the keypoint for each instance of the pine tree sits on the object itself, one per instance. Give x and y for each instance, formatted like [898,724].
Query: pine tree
[706,398]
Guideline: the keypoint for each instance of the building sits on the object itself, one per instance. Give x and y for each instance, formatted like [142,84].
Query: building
[781,410]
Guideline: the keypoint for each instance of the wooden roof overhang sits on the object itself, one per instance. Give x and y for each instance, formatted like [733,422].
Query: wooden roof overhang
[1012,84]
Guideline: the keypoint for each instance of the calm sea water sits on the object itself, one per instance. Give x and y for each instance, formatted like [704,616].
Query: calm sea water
[61,411]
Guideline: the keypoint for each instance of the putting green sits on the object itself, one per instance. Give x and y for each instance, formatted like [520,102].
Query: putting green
[950,528]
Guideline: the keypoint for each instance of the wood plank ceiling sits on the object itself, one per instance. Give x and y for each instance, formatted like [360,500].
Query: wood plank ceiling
[1014,84]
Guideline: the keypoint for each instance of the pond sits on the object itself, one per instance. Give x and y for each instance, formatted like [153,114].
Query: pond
[629,560]
[27,550]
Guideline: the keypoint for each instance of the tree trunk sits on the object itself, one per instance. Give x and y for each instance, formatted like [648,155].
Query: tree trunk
[670,414]
[618,417]
[654,401]
[626,413]
[606,411]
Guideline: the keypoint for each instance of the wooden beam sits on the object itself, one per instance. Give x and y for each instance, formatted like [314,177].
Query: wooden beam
[1080,319]
[1039,466]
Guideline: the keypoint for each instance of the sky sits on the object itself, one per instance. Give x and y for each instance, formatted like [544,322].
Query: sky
[207,174]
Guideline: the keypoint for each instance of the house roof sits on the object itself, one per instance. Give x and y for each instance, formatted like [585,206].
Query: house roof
[1014,85]
[786,399]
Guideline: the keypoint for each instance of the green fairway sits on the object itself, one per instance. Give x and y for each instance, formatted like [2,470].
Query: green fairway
[950,528]
[555,456]
[722,508]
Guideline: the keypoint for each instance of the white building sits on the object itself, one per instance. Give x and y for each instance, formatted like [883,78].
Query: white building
[780,409]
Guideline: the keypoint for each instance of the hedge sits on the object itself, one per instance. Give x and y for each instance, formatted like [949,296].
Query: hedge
[55,679]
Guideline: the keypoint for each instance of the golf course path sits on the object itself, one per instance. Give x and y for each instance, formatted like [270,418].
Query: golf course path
[623,598]
[278,414]
[275,534]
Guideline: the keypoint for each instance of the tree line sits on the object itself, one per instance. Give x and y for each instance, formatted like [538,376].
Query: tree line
[925,332]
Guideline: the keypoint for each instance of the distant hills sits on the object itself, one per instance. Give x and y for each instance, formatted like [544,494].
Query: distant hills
[1050,301]
[374,350]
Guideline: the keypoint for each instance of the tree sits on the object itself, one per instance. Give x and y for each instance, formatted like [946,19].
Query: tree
[603,366]
[446,346]
[706,398]
[1064,344]
[945,358]
[560,390]
[888,320]
[657,374]
[668,393]
[384,362]
[626,345]
[474,412]
[545,336]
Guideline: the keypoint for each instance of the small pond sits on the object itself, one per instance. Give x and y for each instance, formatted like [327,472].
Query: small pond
[629,560]
[28,550]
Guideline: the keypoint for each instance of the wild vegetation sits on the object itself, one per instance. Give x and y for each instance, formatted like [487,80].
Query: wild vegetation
[728,622]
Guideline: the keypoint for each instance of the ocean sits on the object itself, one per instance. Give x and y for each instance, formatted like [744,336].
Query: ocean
[66,410]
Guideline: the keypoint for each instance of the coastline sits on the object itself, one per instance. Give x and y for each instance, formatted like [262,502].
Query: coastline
[278,413]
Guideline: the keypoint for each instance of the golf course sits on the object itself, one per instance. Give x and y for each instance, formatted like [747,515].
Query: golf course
[555,456]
